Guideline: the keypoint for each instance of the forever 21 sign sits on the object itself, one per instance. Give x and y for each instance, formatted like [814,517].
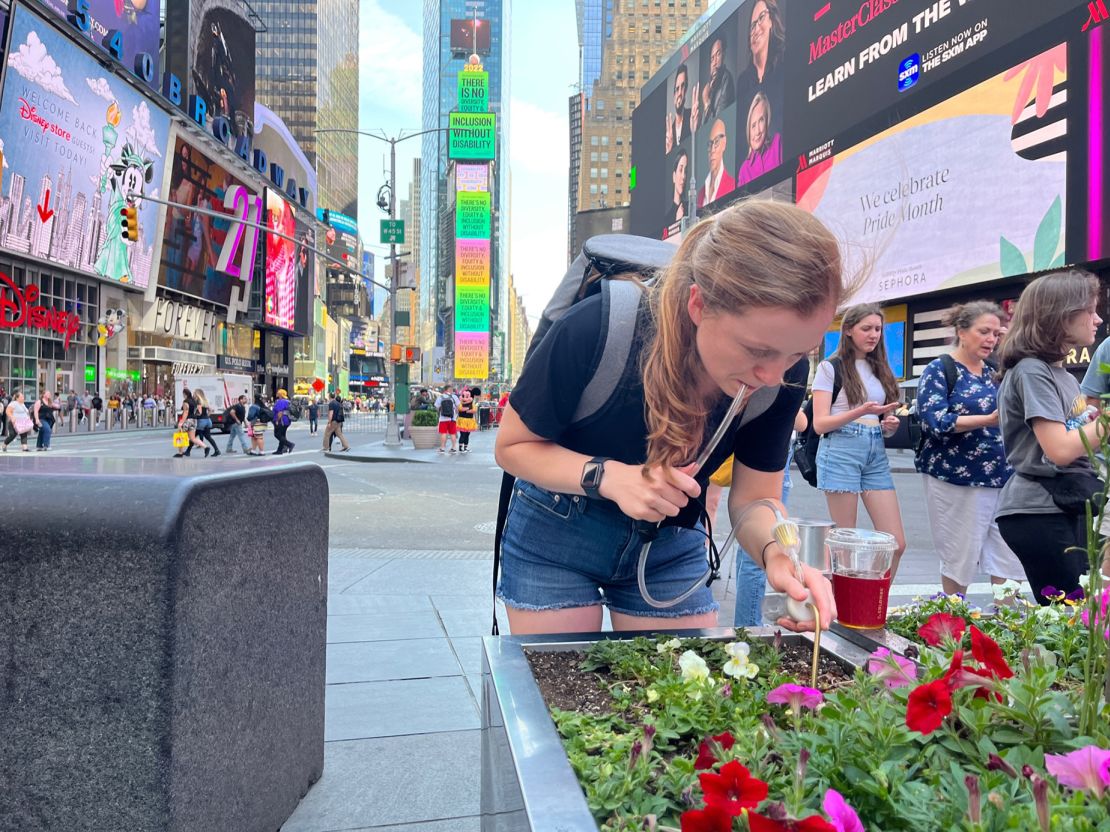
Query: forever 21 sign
[178,320]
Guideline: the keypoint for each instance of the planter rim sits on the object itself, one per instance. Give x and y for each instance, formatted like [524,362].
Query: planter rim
[552,797]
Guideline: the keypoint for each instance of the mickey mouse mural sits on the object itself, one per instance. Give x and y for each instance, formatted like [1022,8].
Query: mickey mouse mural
[111,323]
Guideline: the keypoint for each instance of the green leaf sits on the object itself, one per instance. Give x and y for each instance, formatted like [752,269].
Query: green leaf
[1058,262]
[1011,260]
[1047,239]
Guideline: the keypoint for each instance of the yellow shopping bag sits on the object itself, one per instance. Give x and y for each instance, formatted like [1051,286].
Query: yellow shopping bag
[180,439]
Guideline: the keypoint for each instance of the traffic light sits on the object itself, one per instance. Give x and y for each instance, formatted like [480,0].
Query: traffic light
[129,225]
[395,353]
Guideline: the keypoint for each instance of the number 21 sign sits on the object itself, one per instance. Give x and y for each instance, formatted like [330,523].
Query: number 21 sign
[242,236]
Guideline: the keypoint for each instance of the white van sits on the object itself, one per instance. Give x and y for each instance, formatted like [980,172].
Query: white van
[221,390]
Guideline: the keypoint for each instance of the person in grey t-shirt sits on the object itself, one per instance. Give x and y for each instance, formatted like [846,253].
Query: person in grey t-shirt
[1042,413]
[1095,382]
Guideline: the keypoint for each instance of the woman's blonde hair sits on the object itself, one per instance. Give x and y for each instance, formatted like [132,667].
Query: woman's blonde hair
[202,400]
[1038,328]
[759,98]
[754,254]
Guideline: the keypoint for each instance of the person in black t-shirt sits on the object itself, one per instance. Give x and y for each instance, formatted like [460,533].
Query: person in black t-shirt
[335,423]
[749,293]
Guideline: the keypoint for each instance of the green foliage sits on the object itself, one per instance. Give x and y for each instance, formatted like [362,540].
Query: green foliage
[424,419]
[1045,243]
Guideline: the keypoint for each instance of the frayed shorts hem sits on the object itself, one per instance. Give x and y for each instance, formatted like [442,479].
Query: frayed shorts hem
[652,612]
[560,605]
[851,491]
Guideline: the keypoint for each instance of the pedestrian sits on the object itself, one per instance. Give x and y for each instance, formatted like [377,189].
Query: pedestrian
[148,409]
[43,415]
[187,422]
[466,421]
[18,421]
[97,411]
[235,417]
[4,401]
[204,423]
[71,404]
[1046,426]
[746,295]
[961,458]
[313,416]
[504,400]
[334,426]
[447,405]
[851,458]
[282,421]
[256,427]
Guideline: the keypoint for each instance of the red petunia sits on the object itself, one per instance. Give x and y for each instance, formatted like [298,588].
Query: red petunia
[928,705]
[707,755]
[941,626]
[709,819]
[957,676]
[814,823]
[732,789]
[987,652]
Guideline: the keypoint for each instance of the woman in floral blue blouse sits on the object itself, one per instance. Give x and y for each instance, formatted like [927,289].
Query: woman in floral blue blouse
[962,459]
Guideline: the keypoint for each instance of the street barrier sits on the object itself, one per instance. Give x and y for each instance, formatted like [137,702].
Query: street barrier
[164,655]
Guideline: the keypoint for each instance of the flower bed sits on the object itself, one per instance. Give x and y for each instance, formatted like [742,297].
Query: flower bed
[708,736]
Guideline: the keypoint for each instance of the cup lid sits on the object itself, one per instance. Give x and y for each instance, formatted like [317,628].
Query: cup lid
[860,538]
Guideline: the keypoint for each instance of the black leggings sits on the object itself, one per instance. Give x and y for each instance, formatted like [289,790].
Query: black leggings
[464,439]
[1042,542]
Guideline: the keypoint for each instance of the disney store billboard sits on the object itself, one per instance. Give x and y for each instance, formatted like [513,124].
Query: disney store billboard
[79,145]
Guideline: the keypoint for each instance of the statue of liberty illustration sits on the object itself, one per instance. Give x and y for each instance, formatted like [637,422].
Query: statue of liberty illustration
[126,177]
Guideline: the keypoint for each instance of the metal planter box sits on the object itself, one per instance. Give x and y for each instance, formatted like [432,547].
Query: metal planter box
[528,784]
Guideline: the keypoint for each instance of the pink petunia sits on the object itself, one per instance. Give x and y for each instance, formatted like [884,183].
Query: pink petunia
[842,816]
[1087,769]
[796,696]
[892,670]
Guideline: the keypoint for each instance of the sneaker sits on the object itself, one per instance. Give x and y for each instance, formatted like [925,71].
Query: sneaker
[441,450]
[452,451]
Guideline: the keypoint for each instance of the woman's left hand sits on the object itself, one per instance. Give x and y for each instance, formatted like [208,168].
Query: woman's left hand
[890,424]
[781,577]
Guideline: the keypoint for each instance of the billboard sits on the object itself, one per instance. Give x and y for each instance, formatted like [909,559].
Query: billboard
[288,264]
[895,199]
[848,97]
[470,36]
[135,20]
[79,146]
[473,136]
[221,61]
[192,242]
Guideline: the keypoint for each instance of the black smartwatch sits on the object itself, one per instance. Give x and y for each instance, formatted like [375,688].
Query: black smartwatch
[592,473]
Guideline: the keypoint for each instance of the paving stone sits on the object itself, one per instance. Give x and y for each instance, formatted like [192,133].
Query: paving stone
[343,572]
[375,661]
[384,626]
[434,577]
[396,784]
[467,623]
[400,707]
[469,652]
[348,604]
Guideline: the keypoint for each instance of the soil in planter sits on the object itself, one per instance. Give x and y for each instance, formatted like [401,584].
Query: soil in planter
[566,687]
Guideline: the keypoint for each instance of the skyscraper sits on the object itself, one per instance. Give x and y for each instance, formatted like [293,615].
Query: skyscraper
[621,44]
[307,73]
[444,57]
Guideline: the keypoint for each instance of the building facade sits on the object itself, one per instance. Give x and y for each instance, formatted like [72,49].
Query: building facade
[307,73]
[442,64]
[621,44]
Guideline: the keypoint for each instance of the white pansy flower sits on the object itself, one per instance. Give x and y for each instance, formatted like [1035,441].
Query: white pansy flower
[1006,590]
[738,666]
[664,646]
[739,650]
[693,666]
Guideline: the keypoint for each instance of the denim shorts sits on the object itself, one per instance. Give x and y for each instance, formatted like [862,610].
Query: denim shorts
[853,459]
[561,551]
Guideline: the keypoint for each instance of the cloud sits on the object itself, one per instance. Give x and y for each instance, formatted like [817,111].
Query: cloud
[34,63]
[140,134]
[100,88]
[392,56]
[539,140]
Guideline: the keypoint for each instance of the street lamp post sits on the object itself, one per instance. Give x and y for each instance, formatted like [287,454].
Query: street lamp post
[397,369]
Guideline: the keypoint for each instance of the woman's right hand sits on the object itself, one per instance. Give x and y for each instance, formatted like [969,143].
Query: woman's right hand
[991,419]
[875,409]
[652,497]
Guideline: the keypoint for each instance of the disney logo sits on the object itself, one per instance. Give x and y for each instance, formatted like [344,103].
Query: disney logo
[19,309]
[28,112]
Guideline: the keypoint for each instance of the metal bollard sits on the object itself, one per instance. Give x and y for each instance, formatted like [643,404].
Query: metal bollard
[73,420]
[124,419]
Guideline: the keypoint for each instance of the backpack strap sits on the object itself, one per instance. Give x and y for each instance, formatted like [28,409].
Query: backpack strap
[951,373]
[837,381]
[620,305]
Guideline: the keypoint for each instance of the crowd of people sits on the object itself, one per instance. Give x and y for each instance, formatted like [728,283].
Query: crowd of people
[1003,453]
[460,412]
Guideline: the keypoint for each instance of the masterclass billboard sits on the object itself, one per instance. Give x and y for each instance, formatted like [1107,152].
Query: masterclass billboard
[761,91]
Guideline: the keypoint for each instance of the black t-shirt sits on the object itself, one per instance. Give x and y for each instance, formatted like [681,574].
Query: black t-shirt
[548,391]
[240,412]
[336,410]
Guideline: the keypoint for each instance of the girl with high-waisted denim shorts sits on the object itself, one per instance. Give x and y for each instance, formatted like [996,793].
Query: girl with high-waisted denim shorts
[745,295]
[851,459]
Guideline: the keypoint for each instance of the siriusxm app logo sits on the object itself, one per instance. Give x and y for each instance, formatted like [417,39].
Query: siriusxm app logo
[909,71]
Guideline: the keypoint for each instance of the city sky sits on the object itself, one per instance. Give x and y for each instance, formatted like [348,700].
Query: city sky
[544,64]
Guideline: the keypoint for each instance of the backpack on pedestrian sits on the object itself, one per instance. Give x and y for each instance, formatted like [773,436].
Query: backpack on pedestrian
[447,407]
[805,446]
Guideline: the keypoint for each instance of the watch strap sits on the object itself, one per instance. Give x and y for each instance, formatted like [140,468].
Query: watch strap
[592,473]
